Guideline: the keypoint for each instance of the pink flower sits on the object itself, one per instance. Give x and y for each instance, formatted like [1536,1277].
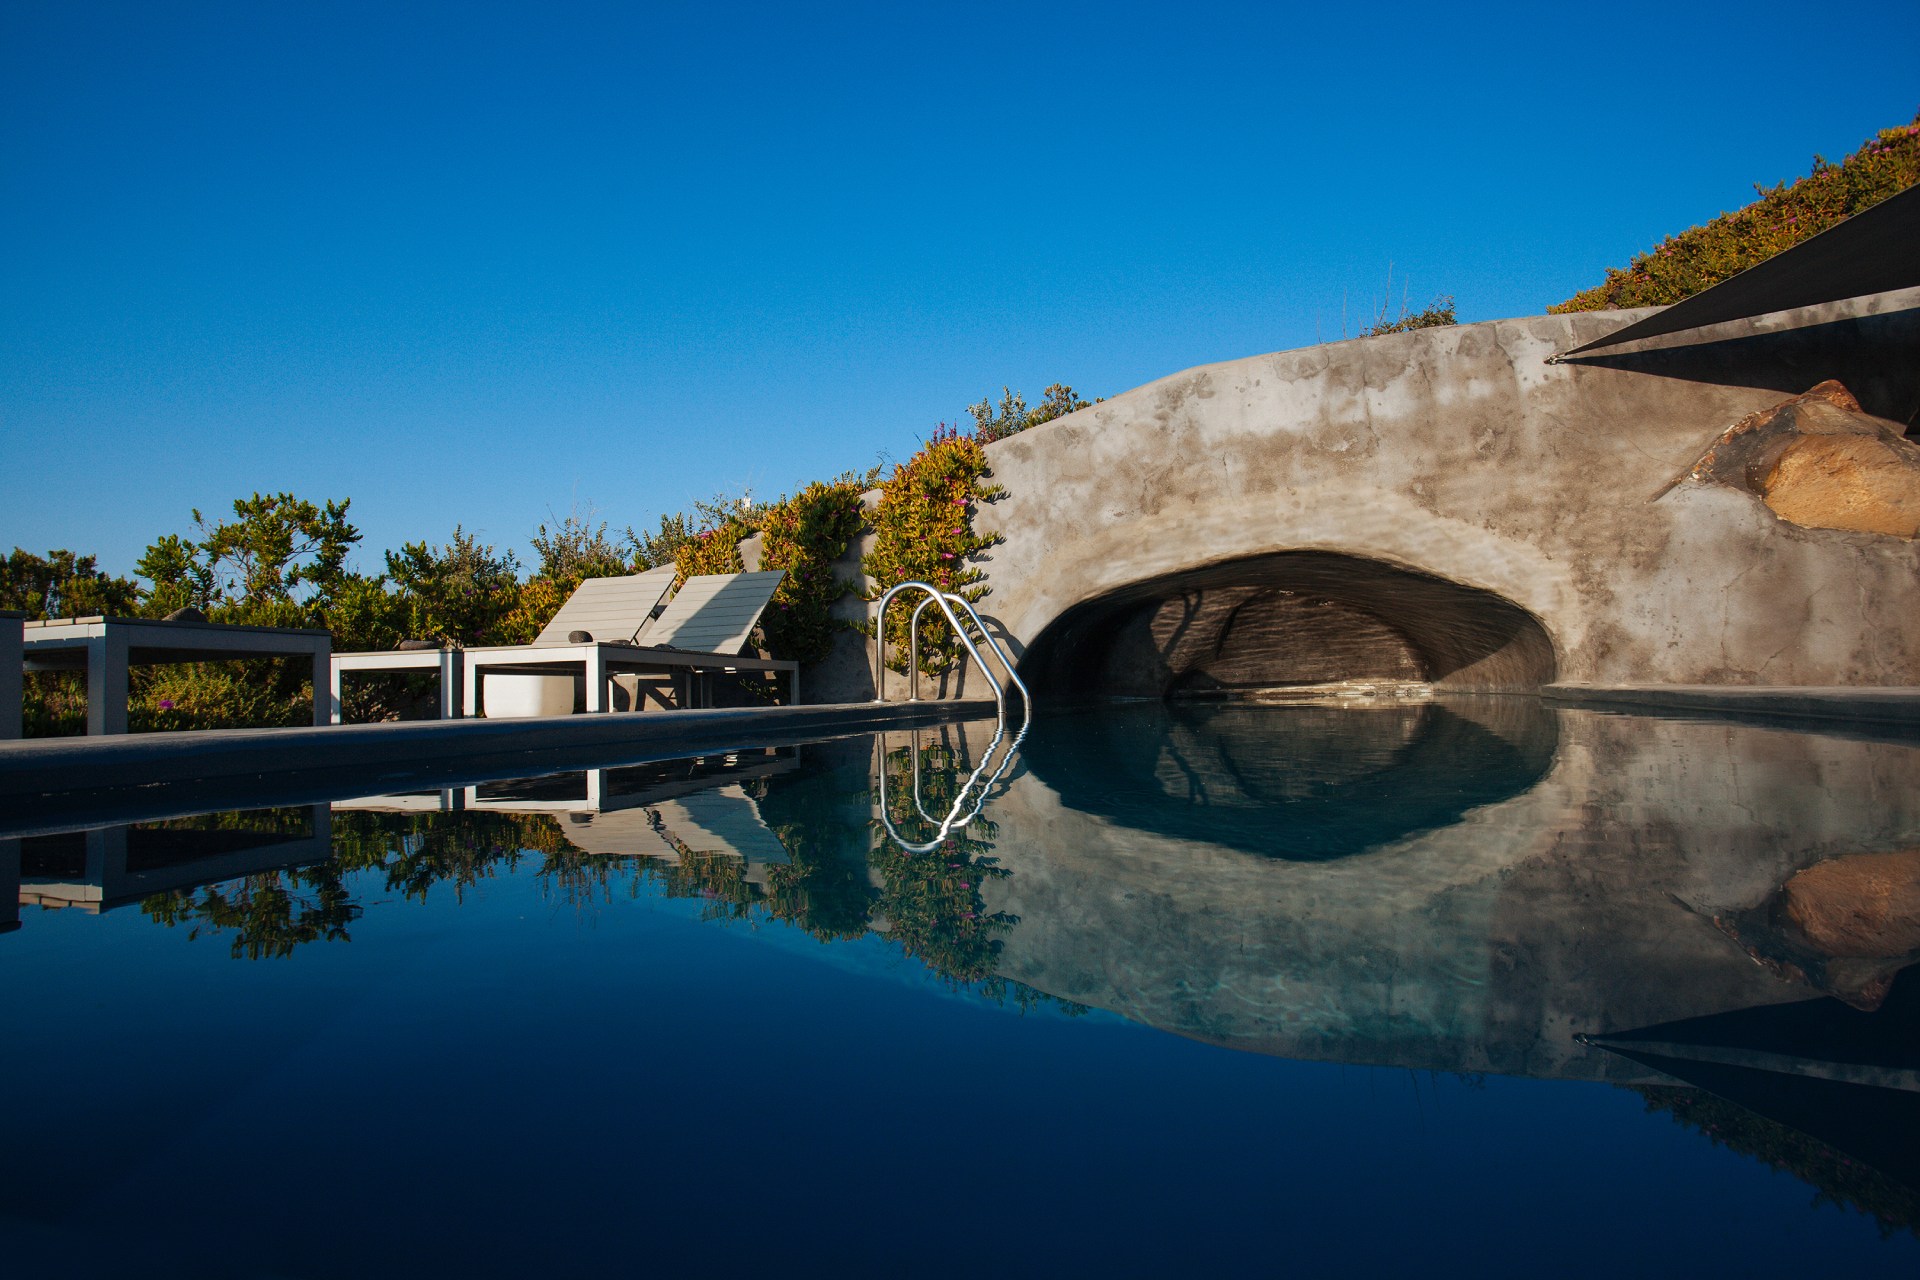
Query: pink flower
[166,704]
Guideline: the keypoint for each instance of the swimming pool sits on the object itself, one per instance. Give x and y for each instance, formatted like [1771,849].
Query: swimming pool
[1475,986]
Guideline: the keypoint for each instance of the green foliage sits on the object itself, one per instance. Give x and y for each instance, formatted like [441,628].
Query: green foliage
[63,585]
[253,567]
[1439,313]
[1836,1178]
[805,535]
[576,549]
[461,592]
[715,549]
[923,531]
[1012,416]
[654,550]
[1784,215]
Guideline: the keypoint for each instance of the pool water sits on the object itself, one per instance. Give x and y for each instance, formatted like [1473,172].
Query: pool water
[1478,987]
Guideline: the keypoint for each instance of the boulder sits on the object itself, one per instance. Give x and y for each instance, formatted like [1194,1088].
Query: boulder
[1865,906]
[1817,460]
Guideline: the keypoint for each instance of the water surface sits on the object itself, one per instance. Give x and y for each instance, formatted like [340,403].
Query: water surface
[1472,988]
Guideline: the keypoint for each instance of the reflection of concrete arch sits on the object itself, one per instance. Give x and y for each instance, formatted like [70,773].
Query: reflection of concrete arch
[1585,902]
[1290,619]
[1300,782]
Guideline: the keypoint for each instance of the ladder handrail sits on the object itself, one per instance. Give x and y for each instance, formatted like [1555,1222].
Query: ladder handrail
[1006,661]
[947,601]
[880,644]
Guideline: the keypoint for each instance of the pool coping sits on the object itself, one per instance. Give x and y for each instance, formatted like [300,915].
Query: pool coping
[288,765]
[1888,704]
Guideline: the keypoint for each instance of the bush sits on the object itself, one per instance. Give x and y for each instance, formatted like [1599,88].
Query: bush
[805,535]
[924,531]
[1696,259]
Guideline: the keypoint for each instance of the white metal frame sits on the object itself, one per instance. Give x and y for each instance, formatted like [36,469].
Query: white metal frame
[108,647]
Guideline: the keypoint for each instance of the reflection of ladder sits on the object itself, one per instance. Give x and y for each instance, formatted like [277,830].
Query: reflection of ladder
[973,795]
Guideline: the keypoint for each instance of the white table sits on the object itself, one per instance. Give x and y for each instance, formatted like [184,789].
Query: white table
[449,663]
[106,648]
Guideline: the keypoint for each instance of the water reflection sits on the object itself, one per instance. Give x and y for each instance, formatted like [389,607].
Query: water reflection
[1304,782]
[1475,886]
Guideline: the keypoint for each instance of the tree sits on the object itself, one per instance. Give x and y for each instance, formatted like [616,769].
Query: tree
[460,591]
[62,585]
[253,567]
[575,550]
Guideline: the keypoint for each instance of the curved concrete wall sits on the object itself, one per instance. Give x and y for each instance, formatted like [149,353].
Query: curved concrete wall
[1461,453]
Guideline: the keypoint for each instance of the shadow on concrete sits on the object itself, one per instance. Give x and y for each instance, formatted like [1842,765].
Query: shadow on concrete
[1874,356]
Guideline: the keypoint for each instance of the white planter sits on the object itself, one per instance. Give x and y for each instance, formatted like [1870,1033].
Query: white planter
[510,695]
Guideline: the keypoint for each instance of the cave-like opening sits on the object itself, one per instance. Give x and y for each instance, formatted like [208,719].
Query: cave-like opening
[1278,625]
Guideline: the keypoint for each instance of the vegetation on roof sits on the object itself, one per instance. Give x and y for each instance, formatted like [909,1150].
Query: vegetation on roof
[1784,215]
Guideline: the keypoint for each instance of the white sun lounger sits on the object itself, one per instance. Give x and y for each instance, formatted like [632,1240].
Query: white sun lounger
[701,631]
[607,609]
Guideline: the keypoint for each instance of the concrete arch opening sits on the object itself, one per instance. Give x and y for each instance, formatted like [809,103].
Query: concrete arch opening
[1275,625]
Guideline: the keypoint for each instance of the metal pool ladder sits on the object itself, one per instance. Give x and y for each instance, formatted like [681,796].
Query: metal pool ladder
[946,600]
[972,796]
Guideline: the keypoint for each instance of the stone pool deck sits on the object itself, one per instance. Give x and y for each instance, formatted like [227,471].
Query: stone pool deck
[44,779]
[1853,704]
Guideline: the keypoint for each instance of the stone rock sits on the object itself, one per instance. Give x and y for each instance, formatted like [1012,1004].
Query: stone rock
[1818,461]
[188,614]
[1865,906]
[414,646]
[1845,927]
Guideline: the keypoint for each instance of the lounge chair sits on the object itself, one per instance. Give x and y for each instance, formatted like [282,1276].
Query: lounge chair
[603,609]
[701,631]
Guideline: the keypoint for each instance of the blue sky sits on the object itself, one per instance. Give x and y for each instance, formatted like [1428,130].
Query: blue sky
[490,263]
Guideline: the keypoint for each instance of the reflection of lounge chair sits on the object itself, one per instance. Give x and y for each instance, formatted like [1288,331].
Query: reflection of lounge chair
[604,609]
[700,632]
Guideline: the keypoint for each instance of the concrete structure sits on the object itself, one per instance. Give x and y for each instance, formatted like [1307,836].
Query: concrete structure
[105,648]
[65,784]
[1445,507]
[11,672]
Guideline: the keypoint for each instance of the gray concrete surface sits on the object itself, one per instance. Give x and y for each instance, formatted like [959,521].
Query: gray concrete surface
[1462,455]
[1855,705]
[66,783]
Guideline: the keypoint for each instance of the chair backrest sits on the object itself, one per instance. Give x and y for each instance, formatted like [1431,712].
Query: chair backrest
[609,608]
[714,613]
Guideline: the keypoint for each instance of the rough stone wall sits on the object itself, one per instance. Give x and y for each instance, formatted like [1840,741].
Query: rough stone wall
[1461,453]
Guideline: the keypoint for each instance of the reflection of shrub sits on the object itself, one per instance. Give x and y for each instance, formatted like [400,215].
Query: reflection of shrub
[1837,1179]
[268,914]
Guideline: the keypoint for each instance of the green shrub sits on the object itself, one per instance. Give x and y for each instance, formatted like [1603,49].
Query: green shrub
[1696,259]
[923,531]
[805,535]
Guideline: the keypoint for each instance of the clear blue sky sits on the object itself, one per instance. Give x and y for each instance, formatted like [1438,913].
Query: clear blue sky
[487,262]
